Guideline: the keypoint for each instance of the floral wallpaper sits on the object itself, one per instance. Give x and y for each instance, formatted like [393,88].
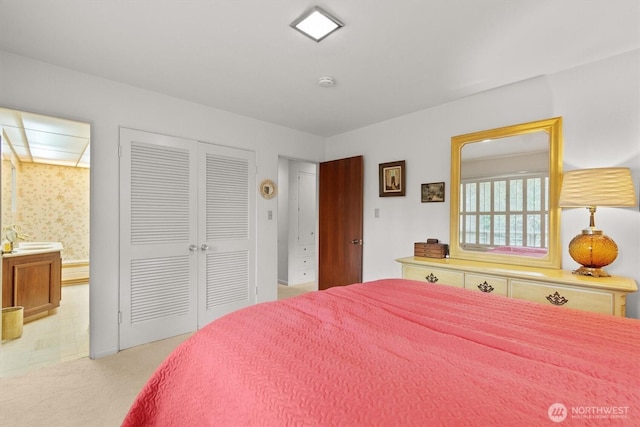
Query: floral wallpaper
[5,200]
[52,205]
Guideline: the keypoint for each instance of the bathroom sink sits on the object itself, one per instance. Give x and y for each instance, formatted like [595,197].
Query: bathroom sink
[34,247]
[25,248]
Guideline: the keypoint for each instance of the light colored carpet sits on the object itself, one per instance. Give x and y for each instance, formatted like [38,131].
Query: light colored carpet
[285,291]
[87,392]
[82,392]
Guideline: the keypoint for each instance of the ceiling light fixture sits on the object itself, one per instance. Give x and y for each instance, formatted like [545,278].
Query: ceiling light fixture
[316,23]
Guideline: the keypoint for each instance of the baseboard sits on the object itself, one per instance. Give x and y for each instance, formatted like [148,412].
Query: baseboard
[75,272]
[104,353]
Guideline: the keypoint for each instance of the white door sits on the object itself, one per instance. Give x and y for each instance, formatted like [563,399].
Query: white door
[187,234]
[158,224]
[226,280]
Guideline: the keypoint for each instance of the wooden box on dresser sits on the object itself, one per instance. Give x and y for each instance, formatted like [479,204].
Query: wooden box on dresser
[547,286]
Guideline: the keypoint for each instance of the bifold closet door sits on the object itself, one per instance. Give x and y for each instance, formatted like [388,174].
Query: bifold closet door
[187,234]
[227,197]
[158,209]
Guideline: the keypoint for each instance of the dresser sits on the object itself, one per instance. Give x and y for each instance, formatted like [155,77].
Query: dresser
[302,264]
[546,286]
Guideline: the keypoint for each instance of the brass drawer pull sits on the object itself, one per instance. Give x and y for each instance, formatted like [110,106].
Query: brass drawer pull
[557,299]
[431,278]
[485,287]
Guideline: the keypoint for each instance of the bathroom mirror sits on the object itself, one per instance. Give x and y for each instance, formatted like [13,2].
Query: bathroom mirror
[505,185]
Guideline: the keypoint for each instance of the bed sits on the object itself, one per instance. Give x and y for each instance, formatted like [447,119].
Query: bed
[399,352]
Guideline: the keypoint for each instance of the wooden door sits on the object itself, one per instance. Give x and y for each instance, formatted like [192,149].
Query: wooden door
[340,222]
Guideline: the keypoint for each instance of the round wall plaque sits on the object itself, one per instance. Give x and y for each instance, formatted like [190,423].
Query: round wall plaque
[267,189]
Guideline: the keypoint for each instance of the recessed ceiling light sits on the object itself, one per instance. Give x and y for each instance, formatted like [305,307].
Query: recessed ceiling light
[316,24]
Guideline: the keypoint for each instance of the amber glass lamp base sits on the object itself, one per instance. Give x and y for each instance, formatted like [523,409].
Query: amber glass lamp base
[593,250]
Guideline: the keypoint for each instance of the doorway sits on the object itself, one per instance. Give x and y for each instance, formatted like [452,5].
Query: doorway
[297,225]
[45,197]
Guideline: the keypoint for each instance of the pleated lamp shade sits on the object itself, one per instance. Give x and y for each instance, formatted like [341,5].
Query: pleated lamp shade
[591,188]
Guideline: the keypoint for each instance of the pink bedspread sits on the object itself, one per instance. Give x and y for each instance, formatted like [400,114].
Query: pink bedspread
[397,353]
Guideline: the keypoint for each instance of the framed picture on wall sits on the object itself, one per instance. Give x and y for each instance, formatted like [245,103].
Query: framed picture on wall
[433,192]
[392,179]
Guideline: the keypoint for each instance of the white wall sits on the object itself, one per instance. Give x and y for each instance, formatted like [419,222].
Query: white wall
[38,87]
[283,220]
[599,104]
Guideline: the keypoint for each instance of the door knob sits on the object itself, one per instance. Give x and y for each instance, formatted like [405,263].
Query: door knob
[193,248]
[204,247]
[356,241]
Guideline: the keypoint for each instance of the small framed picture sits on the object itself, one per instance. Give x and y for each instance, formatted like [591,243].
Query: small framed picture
[392,179]
[433,192]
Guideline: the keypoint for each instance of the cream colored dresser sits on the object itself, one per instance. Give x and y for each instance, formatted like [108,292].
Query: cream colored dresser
[547,286]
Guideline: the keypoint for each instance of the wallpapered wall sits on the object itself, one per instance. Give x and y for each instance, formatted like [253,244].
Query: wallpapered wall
[52,205]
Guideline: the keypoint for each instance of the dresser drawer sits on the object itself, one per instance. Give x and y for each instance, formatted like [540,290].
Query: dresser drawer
[302,276]
[305,262]
[581,299]
[486,283]
[304,250]
[433,275]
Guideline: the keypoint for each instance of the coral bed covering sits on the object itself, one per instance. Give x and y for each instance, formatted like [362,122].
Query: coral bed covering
[398,352]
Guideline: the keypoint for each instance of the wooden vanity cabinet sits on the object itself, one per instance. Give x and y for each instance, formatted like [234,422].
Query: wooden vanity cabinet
[32,281]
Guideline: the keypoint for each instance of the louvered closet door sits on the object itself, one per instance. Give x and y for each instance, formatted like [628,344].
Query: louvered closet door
[158,223]
[227,230]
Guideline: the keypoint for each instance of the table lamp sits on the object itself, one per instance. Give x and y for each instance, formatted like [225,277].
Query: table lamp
[590,188]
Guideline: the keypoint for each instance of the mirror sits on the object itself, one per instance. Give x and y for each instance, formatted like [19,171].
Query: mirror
[505,185]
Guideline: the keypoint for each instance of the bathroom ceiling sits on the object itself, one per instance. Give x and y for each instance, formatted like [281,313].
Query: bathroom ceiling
[34,138]
[390,59]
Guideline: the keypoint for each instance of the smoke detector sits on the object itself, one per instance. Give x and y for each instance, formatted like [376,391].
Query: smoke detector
[326,81]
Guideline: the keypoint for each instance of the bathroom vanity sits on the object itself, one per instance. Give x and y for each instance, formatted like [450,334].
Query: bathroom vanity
[32,277]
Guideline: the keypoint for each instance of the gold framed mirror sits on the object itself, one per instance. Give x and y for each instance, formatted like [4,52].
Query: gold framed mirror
[505,185]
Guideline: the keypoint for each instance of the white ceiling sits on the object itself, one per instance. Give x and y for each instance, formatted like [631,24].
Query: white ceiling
[391,58]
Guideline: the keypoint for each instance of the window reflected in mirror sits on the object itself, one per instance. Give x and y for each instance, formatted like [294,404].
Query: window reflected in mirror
[504,191]
[504,195]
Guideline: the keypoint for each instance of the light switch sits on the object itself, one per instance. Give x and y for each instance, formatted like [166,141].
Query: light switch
[376,213]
